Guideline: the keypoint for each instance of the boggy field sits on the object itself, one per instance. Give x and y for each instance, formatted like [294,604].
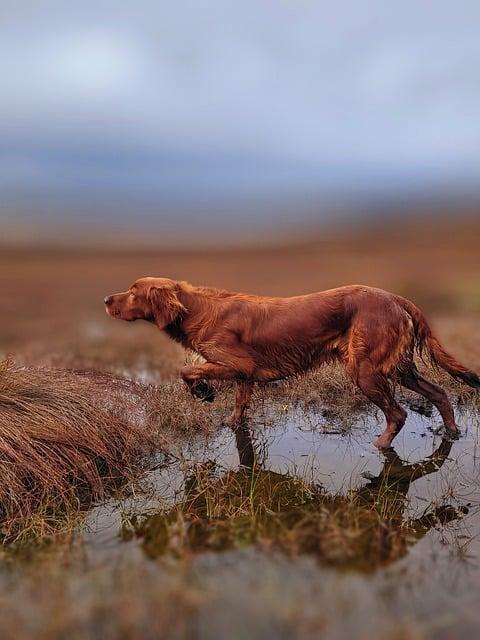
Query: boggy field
[129,511]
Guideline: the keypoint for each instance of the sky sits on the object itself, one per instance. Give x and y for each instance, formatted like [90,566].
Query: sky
[218,101]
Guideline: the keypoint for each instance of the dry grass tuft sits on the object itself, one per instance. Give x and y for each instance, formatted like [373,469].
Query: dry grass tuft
[328,386]
[174,413]
[361,531]
[66,440]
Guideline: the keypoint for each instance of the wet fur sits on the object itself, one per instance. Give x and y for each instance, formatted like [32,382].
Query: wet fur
[249,338]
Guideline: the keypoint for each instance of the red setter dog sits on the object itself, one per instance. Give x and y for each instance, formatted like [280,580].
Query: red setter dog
[250,339]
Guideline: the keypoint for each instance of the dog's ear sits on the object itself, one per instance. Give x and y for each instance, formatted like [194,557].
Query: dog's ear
[166,307]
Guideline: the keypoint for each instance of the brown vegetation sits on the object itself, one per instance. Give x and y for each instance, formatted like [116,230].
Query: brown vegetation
[66,440]
[69,439]
[361,530]
[81,430]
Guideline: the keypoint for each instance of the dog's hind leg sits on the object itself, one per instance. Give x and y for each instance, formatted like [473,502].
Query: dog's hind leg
[376,387]
[436,395]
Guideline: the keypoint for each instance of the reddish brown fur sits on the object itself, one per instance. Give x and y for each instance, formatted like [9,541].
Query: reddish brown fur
[249,338]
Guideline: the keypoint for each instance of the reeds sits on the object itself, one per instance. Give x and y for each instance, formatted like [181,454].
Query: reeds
[66,440]
[362,530]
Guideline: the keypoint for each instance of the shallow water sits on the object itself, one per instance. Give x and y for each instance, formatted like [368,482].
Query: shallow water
[340,461]
[105,584]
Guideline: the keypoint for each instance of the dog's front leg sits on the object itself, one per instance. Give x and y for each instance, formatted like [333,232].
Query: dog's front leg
[242,400]
[199,388]
[196,378]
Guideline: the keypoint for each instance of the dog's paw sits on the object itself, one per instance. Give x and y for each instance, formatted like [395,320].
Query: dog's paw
[203,391]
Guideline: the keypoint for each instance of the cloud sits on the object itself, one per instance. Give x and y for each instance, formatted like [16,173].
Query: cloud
[373,86]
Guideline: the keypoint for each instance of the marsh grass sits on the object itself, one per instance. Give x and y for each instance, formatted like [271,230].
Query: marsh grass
[70,439]
[328,388]
[361,530]
[64,444]
[130,601]
[174,413]
[103,347]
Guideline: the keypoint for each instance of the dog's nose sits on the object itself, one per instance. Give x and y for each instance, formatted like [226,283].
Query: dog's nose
[108,300]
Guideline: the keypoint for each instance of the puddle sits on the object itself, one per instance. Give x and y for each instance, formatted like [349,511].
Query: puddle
[305,488]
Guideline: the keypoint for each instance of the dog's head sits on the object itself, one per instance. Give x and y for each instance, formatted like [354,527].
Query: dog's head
[152,299]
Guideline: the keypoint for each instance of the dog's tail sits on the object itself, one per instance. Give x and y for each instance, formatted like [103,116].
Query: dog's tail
[425,340]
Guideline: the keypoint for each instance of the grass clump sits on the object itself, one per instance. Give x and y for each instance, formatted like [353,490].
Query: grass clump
[66,440]
[362,530]
[329,386]
[173,412]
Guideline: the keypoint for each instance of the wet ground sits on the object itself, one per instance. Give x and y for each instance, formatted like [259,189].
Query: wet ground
[410,569]
[424,481]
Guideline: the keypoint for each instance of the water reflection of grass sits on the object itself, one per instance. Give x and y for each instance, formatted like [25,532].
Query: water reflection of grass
[362,530]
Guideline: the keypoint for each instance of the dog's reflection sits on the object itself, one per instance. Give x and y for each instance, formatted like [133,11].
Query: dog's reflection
[251,505]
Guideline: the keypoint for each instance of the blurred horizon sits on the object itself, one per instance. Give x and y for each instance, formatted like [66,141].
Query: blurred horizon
[415,226]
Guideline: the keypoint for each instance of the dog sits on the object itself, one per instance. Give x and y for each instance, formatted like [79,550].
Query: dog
[249,338]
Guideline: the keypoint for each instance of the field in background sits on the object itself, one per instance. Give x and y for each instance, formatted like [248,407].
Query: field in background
[51,307]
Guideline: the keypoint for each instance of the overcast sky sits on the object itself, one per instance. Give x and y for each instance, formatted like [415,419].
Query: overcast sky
[212,97]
